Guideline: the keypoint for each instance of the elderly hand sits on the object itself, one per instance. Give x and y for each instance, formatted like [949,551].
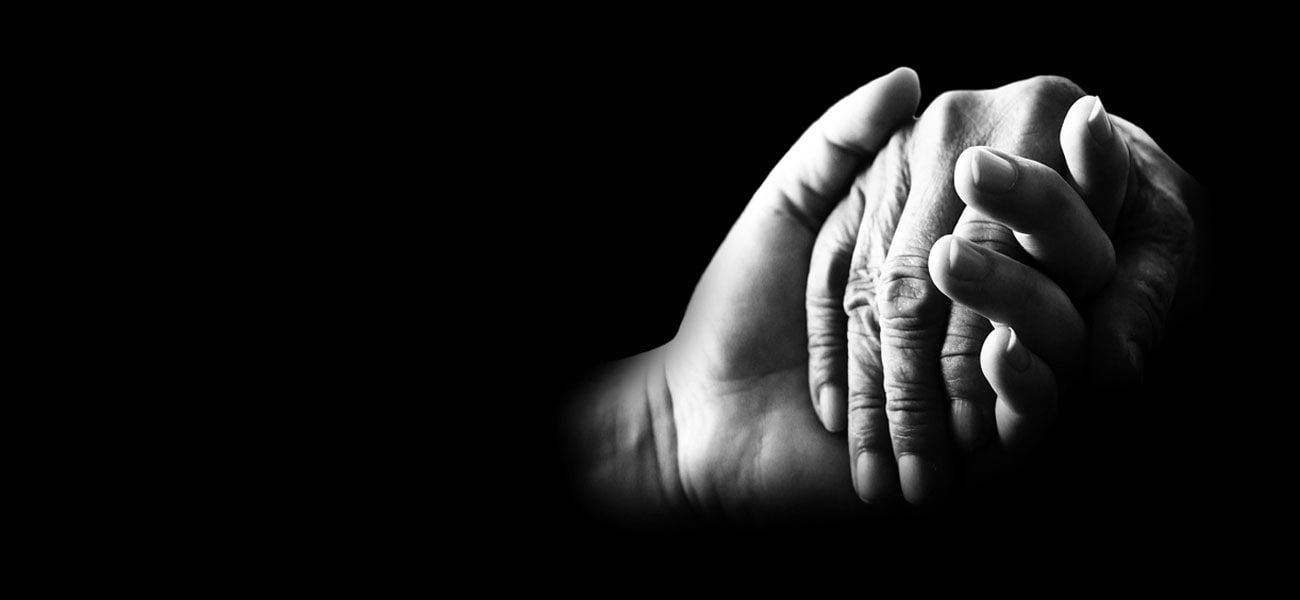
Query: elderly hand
[718,419]
[909,369]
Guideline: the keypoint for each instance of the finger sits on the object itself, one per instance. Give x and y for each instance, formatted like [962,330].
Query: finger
[1128,317]
[812,176]
[773,238]
[828,274]
[833,148]
[1025,387]
[1098,160]
[913,315]
[875,474]
[1010,293]
[1154,248]
[1051,221]
[971,399]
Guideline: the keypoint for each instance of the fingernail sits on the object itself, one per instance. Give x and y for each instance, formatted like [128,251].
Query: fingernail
[870,478]
[991,172]
[968,426]
[834,408]
[921,479]
[1017,354]
[1098,123]
[965,261]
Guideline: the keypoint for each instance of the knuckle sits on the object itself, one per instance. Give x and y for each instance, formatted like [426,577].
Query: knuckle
[864,429]
[860,290]
[959,363]
[962,379]
[863,340]
[1049,88]
[908,298]
[823,304]
[912,431]
[948,116]
[952,103]
[958,352]
[911,384]
[827,342]
[1033,110]
[866,399]
[990,234]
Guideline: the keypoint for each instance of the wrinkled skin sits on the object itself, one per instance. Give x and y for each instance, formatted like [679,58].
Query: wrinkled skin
[912,365]
[746,437]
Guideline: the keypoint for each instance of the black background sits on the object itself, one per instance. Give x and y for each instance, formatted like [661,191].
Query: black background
[628,143]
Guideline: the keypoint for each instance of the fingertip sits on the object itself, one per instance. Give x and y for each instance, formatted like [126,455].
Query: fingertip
[940,256]
[833,404]
[991,353]
[865,119]
[958,265]
[1099,126]
[923,479]
[1075,128]
[941,263]
[1016,354]
[969,426]
[1025,387]
[963,178]
[874,478]
[1087,121]
[908,81]
[983,175]
[1012,368]
[992,173]
[908,72]
[900,90]
[1097,158]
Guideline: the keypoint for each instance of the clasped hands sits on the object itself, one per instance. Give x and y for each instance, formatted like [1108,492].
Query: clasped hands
[925,290]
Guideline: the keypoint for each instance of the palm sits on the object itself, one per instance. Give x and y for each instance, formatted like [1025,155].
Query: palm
[746,433]
[739,365]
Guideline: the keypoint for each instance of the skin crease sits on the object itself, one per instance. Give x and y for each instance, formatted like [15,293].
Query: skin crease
[908,350]
[737,370]
[938,374]
[742,430]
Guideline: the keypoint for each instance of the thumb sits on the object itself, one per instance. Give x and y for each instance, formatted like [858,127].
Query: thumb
[815,173]
[1097,158]
[1128,317]
[750,299]
[1154,248]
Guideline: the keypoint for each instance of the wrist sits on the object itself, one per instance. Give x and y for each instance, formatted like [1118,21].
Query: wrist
[622,432]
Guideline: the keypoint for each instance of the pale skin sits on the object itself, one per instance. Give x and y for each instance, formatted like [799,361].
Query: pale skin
[913,367]
[721,418]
